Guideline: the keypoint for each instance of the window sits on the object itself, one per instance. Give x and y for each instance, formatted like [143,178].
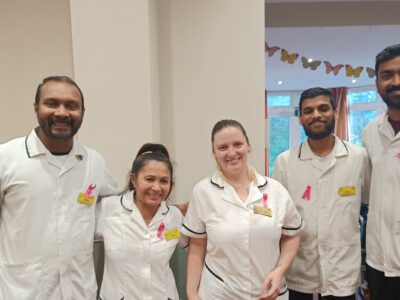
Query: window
[364,106]
[284,130]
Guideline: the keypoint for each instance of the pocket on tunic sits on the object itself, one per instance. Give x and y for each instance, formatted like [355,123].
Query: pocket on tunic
[20,281]
[212,285]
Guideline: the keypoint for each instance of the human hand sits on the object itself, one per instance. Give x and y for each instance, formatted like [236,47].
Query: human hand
[271,286]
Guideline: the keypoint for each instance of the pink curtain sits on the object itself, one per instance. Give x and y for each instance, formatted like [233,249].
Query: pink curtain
[342,123]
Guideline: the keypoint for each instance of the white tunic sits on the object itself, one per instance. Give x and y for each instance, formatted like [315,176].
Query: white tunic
[329,258]
[46,235]
[242,247]
[383,226]
[137,255]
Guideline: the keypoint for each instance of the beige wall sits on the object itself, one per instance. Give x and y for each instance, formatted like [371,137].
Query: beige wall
[35,42]
[151,70]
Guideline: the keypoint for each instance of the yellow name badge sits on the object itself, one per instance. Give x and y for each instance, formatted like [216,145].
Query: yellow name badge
[260,210]
[172,234]
[85,199]
[347,190]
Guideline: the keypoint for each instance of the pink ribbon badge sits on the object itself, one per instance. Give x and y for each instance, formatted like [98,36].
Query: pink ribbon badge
[265,197]
[307,193]
[160,230]
[89,190]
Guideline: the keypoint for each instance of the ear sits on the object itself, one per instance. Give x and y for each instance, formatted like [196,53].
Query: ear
[300,121]
[133,179]
[35,107]
[335,114]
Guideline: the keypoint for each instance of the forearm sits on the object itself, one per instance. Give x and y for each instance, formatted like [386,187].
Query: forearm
[195,263]
[289,247]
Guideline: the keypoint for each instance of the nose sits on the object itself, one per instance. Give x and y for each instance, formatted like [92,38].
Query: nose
[61,111]
[316,114]
[156,186]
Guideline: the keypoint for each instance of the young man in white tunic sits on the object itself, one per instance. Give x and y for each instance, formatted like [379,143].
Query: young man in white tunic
[327,178]
[381,137]
[49,186]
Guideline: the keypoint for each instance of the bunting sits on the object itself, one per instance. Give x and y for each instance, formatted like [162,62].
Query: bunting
[291,58]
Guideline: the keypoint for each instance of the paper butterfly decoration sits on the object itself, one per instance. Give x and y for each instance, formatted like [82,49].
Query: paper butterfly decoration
[290,58]
[313,65]
[334,69]
[370,71]
[271,50]
[353,72]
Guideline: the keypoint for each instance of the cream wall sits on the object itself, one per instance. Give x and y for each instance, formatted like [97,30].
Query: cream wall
[151,70]
[35,39]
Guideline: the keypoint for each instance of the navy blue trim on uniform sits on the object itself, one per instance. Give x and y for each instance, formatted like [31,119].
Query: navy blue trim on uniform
[216,276]
[262,185]
[293,228]
[187,228]
[344,144]
[284,292]
[216,184]
[26,147]
[164,213]
[301,146]
[122,203]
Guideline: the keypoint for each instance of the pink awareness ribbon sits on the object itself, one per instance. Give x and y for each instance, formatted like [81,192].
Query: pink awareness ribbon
[89,190]
[265,197]
[307,193]
[160,230]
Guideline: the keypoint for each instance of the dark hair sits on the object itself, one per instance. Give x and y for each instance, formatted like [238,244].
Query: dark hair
[58,79]
[227,123]
[146,153]
[386,54]
[315,92]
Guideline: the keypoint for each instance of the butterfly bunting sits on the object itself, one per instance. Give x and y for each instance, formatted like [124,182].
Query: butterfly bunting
[271,50]
[290,58]
[334,69]
[313,65]
[370,72]
[353,72]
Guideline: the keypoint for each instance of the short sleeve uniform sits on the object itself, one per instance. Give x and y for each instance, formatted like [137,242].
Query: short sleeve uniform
[242,246]
[383,226]
[46,234]
[137,255]
[328,194]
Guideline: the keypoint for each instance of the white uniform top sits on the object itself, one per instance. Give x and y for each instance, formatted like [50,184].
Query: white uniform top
[383,226]
[137,255]
[329,258]
[46,235]
[242,247]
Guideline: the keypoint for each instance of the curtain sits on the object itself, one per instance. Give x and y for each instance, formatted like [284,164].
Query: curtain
[342,107]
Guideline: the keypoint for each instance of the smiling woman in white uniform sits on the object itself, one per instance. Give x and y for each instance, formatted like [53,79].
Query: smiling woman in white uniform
[243,226]
[140,231]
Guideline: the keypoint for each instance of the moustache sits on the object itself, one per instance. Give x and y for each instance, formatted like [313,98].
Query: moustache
[392,88]
[60,120]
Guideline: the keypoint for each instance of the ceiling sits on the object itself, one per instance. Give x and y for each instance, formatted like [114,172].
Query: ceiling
[339,32]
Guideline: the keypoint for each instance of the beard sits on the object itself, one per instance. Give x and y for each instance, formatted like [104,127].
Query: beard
[329,128]
[46,126]
[391,102]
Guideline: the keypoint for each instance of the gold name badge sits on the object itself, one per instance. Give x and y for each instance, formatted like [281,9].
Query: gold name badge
[85,199]
[347,190]
[172,234]
[260,210]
